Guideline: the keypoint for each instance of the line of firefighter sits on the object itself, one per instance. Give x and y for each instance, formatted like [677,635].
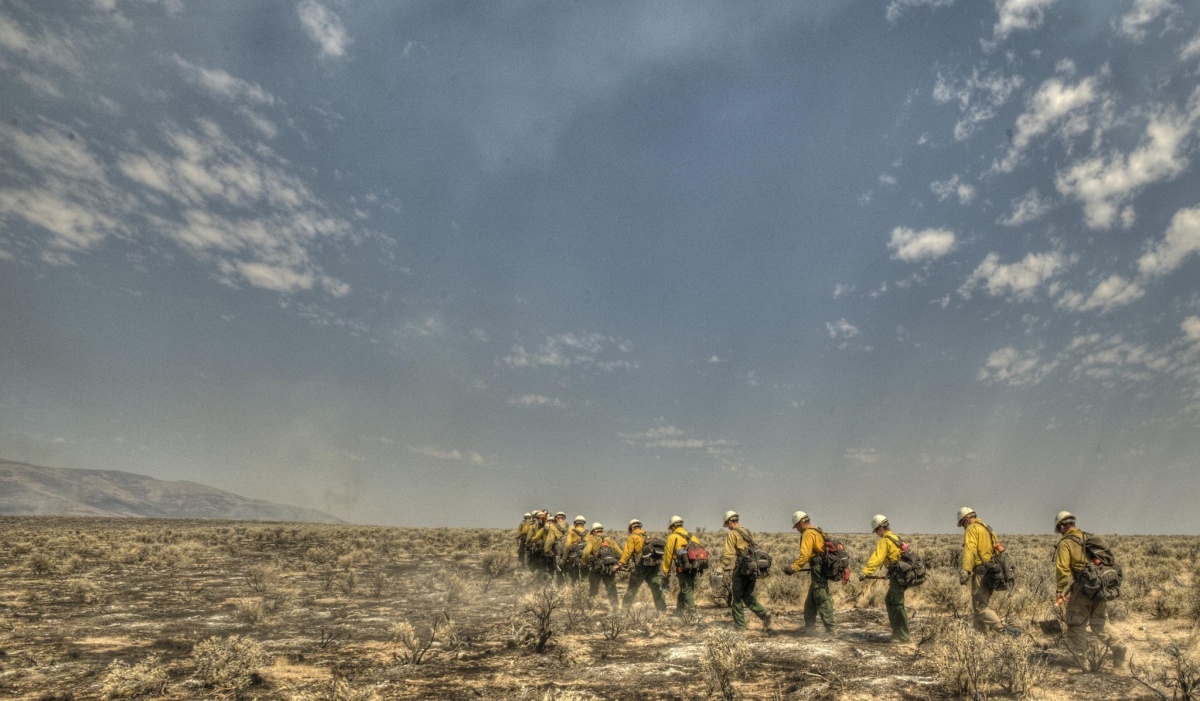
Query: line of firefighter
[538,537]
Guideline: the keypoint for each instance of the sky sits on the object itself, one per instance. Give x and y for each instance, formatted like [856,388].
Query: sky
[440,263]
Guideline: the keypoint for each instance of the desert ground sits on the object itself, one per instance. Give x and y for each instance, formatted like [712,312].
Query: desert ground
[124,609]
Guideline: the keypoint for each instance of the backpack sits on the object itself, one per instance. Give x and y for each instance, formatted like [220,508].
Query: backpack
[605,557]
[574,554]
[909,570]
[691,557]
[653,551]
[832,563]
[753,562]
[1101,577]
[999,573]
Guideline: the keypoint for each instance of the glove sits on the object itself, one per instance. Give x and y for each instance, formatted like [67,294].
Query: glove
[788,570]
[963,576]
[1060,598]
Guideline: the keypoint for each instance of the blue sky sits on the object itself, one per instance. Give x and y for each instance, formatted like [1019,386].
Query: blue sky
[438,263]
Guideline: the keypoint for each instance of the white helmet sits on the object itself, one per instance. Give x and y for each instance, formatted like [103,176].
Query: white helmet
[798,517]
[675,521]
[634,522]
[878,520]
[560,514]
[580,519]
[528,515]
[730,515]
[963,513]
[597,526]
[1063,516]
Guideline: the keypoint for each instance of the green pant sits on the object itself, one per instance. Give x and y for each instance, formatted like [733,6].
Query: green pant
[1084,612]
[819,601]
[610,586]
[649,575]
[897,616]
[573,572]
[981,604]
[686,600]
[743,598]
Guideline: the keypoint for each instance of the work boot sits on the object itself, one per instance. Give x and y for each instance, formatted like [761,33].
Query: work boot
[1118,653]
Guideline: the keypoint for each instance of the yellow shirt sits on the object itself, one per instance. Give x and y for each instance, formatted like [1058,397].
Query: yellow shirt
[1068,558]
[977,546]
[573,536]
[633,546]
[553,532]
[593,545]
[677,540]
[886,553]
[812,543]
[736,542]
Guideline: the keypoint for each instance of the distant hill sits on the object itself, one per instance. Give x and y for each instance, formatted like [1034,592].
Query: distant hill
[29,490]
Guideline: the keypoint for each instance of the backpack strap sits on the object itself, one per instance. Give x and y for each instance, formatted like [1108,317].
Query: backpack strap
[995,542]
[895,539]
[746,534]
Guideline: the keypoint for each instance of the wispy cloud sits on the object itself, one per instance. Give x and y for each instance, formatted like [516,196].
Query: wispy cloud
[1055,105]
[862,456]
[896,9]
[469,457]
[1105,184]
[1025,209]
[928,244]
[1011,367]
[1133,23]
[1019,15]
[1181,240]
[324,27]
[571,349]
[1019,281]
[674,438]
[221,85]
[841,329]
[953,187]
[979,97]
[535,400]
[1114,291]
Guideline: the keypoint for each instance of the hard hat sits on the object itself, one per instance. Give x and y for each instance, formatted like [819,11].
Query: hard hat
[1063,516]
[963,513]
[878,520]
[675,521]
[580,519]
[798,517]
[597,526]
[560,513]
[528,515]
[634,522]
[730,515]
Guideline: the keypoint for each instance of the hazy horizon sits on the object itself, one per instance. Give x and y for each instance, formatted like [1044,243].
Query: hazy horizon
[440,263]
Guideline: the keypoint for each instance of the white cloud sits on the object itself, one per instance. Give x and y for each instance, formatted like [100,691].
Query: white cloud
[448,454]
[1054,103]
[571,349]
[1133,24]
[1105,184]
[945,189]
[219,84]
[897,8]
[535,400]
[1114,291]
[1025,209]
[928,244]
[1191,328]
[1011,367]
[1017,15]
[673,438]
[979,97]
[862,456]
[1181,240]
[841,329]
[324,27]
[887,179]
[1191,49]
[1019,281]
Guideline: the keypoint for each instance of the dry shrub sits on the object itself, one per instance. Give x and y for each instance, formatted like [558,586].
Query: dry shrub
[972,664]
[123,681]
[726,656]
[413,647]
[40,564]
[228,664]
[496,564]
[943,592]
[1172,671]
[249,611]
[82,591]
[787,592]
[262,578]
[538,609]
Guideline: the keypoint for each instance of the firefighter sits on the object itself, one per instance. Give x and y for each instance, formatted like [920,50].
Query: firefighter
[537,541]
[599,550]
[979,545]
[819,601]
[887,552]
[522,536]
[1082,611]
[572,551]
[642,568]
[737,541]
[552,546]
[677,540]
